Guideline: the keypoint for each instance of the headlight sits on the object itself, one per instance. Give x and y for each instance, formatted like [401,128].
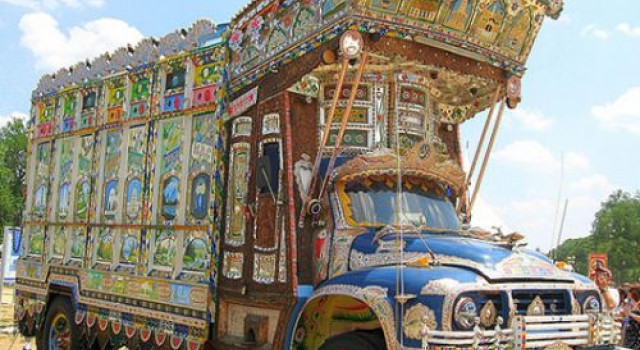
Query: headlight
[465,313]
[591,305]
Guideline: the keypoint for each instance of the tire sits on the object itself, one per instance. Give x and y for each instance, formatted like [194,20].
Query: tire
[59,331]
[354,341]
[375,338]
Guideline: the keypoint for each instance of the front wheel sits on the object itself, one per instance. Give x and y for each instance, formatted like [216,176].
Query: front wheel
[355,341]
[59,331]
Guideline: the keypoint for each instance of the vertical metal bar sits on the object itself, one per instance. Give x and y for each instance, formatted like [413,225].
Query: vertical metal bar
[479,148]
[334,106]
[325,137]
[345,120]
[293,266]
[564,216]
[557,211]
[484,132]
[487,154]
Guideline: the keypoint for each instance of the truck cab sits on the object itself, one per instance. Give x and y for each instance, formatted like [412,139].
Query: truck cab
[416,275]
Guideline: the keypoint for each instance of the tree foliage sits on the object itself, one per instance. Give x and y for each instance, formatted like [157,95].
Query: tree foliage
[615,231]
[13,159]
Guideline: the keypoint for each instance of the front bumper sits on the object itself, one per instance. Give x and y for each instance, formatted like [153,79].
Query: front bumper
[540,332]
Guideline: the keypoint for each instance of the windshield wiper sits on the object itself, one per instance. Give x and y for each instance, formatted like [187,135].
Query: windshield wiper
[391,229]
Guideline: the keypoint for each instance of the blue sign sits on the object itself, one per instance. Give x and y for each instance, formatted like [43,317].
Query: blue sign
[11,252]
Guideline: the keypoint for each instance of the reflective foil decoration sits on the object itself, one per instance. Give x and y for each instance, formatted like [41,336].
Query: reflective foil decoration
[488,314]
[417,320]
[536,308]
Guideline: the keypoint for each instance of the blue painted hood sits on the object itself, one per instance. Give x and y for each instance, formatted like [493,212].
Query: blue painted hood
[415,278]
[494,262]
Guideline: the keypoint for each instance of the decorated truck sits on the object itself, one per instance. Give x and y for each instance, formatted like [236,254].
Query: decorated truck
[291,180]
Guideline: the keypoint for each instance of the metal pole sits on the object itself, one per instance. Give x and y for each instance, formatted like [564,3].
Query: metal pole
[487,123]
[557,211]
[564,216]
[325,138]
[484,132]
[492,140]
[345,120]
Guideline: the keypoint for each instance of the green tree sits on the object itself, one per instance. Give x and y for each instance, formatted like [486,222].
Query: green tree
[576,250]
[615,231]
[13,155]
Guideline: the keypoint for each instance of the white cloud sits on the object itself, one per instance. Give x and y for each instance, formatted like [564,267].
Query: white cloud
[54,49]
[532,156]
[535,217]
[624,113]
[576,161]
[529,155]
[4,119]
[593,184]
[581,212]
[34,5]
[532,120]
[486,216]
[596,32]
[627,29]
[52,4]
[532,217]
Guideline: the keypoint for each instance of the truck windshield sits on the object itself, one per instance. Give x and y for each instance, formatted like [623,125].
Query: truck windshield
[376,206]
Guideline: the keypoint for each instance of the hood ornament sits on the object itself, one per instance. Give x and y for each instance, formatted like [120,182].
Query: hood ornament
[511,241]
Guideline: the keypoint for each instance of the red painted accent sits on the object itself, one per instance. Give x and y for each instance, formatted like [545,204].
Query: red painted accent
[102,324]
[91,320]
[145,334]
[116,327]
[193,345]
[291,199]
[360,306]
[129,331]
[160,337]
[79,317]
[176,341]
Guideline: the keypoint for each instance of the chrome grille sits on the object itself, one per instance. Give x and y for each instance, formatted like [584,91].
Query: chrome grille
[556,302]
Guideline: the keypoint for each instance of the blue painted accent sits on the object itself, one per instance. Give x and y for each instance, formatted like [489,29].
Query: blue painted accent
[445,244]
[324,164]
[74,291]
[213,38]
[67,125]
[538,255]
[173,103]
[415,277]
[304,292]
[484,253]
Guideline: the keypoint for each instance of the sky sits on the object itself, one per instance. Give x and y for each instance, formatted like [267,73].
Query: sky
[580,110]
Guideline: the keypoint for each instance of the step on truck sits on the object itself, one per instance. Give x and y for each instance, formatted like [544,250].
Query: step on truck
[291,180]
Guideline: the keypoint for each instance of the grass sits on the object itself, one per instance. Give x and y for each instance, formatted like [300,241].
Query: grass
[9,341]
[6,307]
